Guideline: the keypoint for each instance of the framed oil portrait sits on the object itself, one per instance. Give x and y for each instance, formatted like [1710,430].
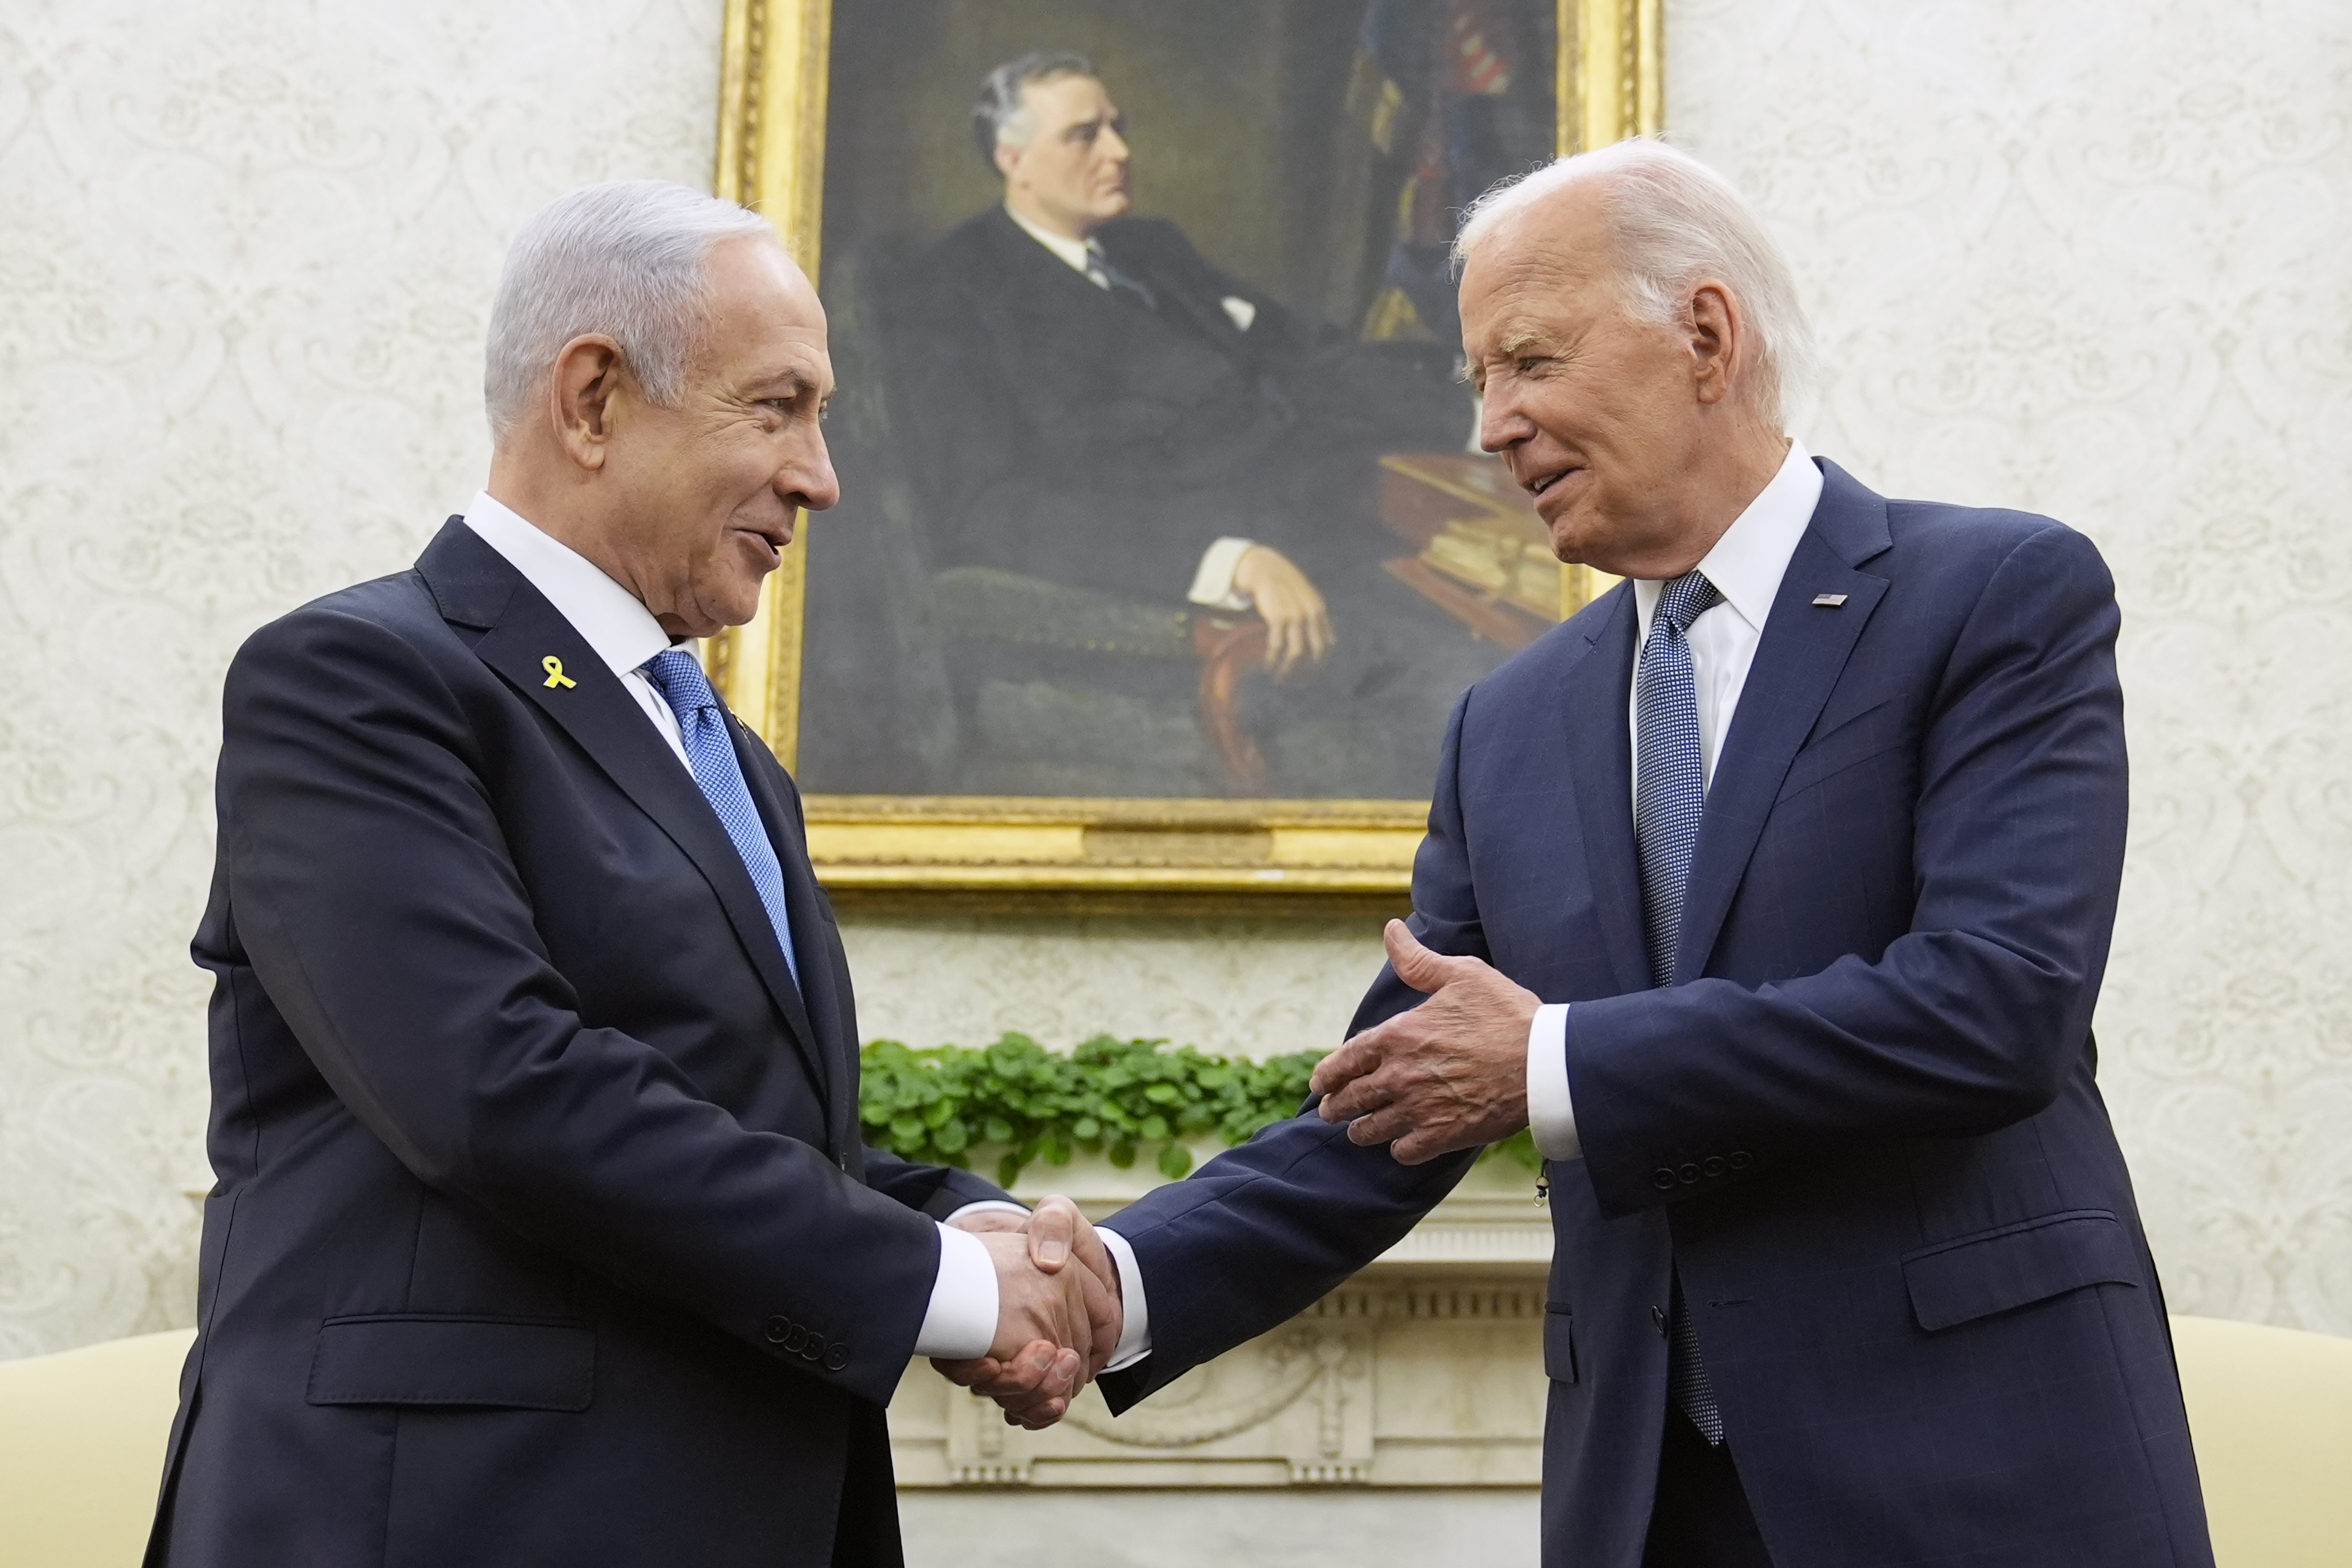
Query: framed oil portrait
[1165,546]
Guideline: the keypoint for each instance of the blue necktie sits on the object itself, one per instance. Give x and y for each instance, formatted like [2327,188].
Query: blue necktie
[1669,798]
[1670,785]
[702,725]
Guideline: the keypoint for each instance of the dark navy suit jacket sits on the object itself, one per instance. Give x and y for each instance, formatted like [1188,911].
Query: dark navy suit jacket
[1864,1125]
[543,1234]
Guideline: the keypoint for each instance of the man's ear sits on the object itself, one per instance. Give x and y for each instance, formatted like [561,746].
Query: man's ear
[1718,340]
[1005,158]
[586,381]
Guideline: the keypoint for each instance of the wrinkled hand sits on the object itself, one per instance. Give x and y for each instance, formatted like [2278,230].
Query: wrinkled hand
[1297,624]
[1035,1380]
[1449,1074]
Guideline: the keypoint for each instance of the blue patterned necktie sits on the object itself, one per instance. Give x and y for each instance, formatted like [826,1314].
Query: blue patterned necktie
[702,726]
[1669,797]
[1670,785]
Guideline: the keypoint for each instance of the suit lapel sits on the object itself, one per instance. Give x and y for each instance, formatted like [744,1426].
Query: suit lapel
[601,716]
[1594,704]
[1803,653]
[812,936]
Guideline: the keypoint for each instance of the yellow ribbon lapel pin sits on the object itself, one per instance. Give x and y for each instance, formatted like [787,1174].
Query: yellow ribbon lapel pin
[555,675]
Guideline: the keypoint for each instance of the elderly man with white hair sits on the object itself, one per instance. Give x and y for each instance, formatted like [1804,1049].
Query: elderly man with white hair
[543,1233]
[1773,891]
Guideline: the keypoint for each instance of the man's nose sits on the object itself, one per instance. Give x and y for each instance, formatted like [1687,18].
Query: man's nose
[808,479]
[1501,425]
[1113,145]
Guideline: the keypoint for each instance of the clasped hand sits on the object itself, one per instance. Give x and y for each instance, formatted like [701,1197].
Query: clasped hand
[1057,1326]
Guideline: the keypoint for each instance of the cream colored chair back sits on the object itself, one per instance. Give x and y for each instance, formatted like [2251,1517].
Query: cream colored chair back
[2270,1413]
[82,1434]
[81,1451]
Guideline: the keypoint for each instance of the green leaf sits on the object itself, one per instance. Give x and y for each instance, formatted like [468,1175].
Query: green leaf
[1154,1128]
[1174,1161]
[908,1131]
[1122,1154]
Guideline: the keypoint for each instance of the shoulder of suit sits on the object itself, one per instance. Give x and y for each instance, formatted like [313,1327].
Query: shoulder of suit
[369,622]
[1940,536]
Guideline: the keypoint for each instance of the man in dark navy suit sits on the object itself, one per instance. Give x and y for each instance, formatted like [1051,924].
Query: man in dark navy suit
[1773,891]
[543,1232]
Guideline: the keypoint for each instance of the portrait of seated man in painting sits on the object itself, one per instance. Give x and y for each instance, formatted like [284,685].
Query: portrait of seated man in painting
[1175,534]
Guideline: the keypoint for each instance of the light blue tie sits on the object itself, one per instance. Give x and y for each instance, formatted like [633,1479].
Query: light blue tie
[702,725]
[1669,798]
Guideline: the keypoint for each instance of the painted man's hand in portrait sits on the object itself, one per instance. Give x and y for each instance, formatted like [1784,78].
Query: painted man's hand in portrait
[1297,624]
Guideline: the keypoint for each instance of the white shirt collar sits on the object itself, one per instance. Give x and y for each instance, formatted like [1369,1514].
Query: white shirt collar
[1073,251]
[1748,561]
[607,617]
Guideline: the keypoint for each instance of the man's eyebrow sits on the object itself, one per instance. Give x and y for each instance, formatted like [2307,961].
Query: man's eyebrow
[792,382]
[1521,340]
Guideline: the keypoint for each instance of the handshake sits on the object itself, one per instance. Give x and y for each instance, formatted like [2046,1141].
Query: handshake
[1057,1326]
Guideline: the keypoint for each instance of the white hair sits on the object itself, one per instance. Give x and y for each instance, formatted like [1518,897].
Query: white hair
[1674,223]
[624,259]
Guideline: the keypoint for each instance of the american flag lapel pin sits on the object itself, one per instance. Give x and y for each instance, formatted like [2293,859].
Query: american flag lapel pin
[1829,601]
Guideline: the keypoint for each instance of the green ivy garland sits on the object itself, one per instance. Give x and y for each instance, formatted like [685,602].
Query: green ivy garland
[1108,1096]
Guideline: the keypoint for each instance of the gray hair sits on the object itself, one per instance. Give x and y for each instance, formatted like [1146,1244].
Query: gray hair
[999,118]
[1676,222]
[624,259]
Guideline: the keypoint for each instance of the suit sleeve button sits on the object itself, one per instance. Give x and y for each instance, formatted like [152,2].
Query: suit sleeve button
[813,1348]
[837,1357]
[1715,1165]
[1741,1159]
[776,1331]
[1662,1178]
[1689,1173]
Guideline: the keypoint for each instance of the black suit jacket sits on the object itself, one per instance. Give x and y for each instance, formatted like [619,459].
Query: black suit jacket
[1069,433]
[543,1234]
[1864,1126]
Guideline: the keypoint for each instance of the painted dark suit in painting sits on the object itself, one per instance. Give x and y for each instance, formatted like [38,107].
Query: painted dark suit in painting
[1068,422]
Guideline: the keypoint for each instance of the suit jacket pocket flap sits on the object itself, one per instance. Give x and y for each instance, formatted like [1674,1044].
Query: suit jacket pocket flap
[1560,1343]
[420,1358]
[1958,1281]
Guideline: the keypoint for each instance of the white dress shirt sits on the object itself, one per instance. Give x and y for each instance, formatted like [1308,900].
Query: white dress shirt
[960,1321]
[1746,567]
[1212,580]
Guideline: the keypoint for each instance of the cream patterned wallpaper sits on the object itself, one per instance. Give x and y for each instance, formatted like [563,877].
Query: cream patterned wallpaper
[2077,258]
[245,265]
[2088,259]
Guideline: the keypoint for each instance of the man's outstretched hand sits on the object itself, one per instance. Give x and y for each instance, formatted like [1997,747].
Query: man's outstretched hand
[1449,1074]
[1057,1326]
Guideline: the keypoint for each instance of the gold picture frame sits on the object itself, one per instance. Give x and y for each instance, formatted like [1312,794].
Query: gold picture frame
[1000,852]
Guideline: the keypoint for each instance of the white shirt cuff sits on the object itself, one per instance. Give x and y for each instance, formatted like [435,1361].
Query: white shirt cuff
[1551,1115]
[1135,1332]
[1213,584]
[961,1322]
[982,1206]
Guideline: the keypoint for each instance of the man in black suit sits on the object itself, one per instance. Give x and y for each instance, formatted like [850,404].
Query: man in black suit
[543,1233]
[1092,402]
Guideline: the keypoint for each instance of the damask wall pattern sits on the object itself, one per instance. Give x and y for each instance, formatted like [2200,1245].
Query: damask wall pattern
[2088,259]
[2074,259]
[244,267]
